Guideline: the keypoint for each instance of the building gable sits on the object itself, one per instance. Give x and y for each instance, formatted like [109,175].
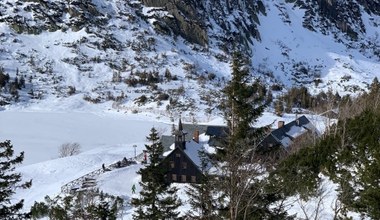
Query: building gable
[180,168]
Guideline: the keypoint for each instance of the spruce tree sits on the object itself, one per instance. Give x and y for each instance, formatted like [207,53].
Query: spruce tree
[244,100]
[244,103]
[202,195]
[157,199]
[9,181]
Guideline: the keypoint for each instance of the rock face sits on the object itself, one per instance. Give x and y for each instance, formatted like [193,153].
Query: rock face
[229,22]
[43,15]
[323,15]
[234,23]
[186,20]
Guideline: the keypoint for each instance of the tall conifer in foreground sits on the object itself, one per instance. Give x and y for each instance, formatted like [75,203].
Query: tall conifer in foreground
[242,183]
[157,199]
[9,181]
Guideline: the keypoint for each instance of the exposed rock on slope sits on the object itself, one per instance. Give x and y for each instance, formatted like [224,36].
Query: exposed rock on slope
[172,54]
[184,20]
[228,22]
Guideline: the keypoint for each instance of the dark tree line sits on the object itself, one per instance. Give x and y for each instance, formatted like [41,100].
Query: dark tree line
[88,204]
[11,86]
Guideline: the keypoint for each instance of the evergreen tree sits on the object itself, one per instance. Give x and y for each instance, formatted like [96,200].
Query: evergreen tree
[88,204]
[157,199]
[374,93]
[22,82]
[244,102]
[105,209]
[4,79]
[351,159]
[202,195]
[375,86]
[9,181]
[358,163]
[279,108]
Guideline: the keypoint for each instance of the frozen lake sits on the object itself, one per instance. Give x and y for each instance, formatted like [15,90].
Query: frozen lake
[39,134]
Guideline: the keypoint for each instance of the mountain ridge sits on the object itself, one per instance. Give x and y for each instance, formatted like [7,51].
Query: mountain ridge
[170,55]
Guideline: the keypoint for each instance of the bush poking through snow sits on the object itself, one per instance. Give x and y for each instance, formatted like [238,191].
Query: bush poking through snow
[69,149]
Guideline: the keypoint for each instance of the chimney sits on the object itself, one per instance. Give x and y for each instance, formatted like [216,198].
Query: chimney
[196,136]
[281,124]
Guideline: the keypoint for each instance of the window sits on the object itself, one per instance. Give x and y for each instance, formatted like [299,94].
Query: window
[183,178]
[184,165]
[193,179]
[174,177]
[178,155]
[172,164]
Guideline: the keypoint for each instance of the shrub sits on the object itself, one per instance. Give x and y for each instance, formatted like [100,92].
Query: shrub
[69,149]
[162,96]
[141,100]
[71,90]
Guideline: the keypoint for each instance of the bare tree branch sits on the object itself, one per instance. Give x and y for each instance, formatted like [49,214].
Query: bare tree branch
[69,149]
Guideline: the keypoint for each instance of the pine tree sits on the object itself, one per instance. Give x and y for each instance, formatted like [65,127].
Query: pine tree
[9,181]
[157,199]
[202,195]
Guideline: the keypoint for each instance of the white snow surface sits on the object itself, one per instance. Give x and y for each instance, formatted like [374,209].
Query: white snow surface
[106,137]
[40,134]
[108,131]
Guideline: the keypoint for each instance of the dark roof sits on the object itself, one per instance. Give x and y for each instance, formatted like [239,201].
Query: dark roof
[281,132]
[286,134]
[270,139]
[217,131]
[167,141]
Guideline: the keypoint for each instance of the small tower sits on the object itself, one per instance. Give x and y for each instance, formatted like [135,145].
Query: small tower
[180,137]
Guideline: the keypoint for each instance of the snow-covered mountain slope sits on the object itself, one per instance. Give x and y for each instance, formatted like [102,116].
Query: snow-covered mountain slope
[150,56]
[298,56]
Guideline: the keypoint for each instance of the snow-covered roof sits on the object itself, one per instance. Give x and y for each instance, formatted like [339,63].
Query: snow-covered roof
[288,132]
[193,148]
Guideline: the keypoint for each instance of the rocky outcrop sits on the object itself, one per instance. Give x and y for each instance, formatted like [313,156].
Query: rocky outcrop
[44,15]
[236,21]
[185,20]
[371,6]
[346,16]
